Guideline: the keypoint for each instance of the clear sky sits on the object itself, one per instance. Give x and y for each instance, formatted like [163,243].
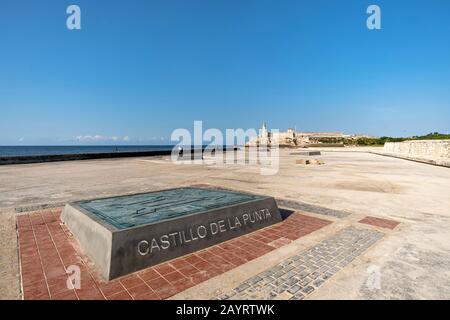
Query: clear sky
[139,69]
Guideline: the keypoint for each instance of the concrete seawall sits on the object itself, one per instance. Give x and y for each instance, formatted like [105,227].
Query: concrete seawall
[82,156]
[435,152]
[88,156]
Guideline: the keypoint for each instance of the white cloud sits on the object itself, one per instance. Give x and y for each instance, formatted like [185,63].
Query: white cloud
[99,138]
[88,138]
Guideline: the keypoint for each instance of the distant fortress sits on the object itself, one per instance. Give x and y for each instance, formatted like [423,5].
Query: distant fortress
[291,138]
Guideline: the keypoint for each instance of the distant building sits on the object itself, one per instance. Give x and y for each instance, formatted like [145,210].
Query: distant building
[321,135]
[291,138]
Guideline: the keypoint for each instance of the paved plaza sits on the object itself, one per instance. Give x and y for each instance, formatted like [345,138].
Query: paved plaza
[359,226]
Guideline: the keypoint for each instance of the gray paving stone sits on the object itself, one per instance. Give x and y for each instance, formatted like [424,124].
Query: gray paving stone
[308,289]
[266,281]
[288,268]
[254,280]
[294,289]
[305,281]
[317,283]
[327,275]
[302,273]
[277,268]
[266,273]
[334,270]
[291,281]
[242,287]
[291,274]
[295,258]
[278,274]
[298,296]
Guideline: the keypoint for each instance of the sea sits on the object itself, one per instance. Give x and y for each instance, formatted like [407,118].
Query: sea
[15,151]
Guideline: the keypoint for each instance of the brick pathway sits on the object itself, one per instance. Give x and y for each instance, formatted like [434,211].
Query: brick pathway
[379,222]
[47,249]
[301,274]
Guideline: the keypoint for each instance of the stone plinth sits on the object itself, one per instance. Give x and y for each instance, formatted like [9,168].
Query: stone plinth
[128,233]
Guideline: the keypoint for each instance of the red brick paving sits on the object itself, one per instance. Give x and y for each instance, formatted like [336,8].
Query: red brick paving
[379,222]
[47,249]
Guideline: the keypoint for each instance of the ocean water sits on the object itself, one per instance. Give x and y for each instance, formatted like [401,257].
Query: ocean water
[14,151]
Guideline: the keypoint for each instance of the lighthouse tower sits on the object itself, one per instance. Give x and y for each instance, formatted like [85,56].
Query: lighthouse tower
[264,137]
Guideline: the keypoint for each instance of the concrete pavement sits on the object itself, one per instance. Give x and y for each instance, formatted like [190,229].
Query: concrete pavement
[411,261]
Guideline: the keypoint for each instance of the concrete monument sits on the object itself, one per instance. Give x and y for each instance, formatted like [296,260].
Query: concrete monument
[128,233]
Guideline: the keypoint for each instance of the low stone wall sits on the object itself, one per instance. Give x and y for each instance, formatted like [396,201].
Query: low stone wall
[420,148]
[81,156]
[90,156]
[430,151]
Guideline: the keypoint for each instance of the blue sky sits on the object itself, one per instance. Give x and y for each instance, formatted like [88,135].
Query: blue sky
[139,69]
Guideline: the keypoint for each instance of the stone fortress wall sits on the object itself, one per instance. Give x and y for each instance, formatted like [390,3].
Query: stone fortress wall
[430,151]
[436,152]
[420,148]
[291,138]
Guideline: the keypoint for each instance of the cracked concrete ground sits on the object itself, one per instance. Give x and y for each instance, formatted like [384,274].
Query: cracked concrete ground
[413,260]
[9,261]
